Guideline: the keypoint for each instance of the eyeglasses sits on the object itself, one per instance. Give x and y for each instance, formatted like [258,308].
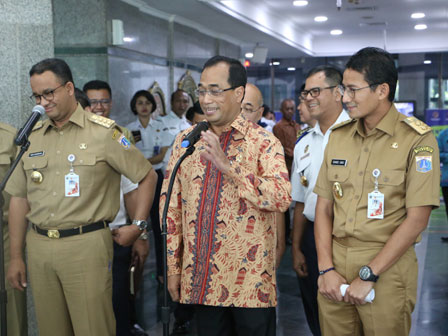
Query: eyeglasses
[48,96]
[103,102]
[352,91]
[249,109]
[314,92]
[214,92]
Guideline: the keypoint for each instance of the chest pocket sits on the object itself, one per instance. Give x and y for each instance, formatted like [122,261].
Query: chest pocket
[85,167]
[35,167]
[389,177]
[338,174]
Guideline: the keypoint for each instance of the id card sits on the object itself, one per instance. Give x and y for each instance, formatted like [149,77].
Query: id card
[71,185]
[375,205]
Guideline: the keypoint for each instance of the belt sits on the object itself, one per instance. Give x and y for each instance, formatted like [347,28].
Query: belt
[353,242]
[71,232]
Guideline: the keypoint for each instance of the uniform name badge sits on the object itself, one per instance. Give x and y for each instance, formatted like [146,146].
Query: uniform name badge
[71,180]
[375,201]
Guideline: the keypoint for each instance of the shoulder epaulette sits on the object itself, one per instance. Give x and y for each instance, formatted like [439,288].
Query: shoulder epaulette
[8,128]
[38,125]
[105,122]
[419,126]
[302,133]
[343,123]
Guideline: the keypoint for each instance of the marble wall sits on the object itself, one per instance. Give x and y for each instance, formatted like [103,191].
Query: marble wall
[26,37]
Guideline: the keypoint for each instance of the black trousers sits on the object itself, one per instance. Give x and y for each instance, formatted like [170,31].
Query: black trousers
[121,295]
[233,321]
[445,198]
[308,285]
[155,224]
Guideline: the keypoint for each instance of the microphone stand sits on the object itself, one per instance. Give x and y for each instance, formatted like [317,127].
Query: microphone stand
[165,310]
[3,295]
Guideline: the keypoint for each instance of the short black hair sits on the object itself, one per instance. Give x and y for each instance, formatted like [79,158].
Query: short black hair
[57,66]
[143,93]
[176,92]
[266,110]
[237,72]
[333,76]
[97,85]
[377,66]
[196,108]
[82,98]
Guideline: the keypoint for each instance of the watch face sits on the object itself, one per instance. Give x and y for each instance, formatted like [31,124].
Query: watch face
[364,273]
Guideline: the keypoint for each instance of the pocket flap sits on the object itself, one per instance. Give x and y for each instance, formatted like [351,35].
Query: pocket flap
[37,162]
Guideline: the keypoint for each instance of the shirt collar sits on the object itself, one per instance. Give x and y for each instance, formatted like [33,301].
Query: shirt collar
[343,116]
[386,125]
[77,118]
[240,124]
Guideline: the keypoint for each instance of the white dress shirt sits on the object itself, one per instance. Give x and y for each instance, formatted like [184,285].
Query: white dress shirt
[126,186]
[308,157]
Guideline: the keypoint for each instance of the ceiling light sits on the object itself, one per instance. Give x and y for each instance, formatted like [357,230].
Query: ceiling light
[336,32]
[418,15]
[427,62]
[300,3]
[276,63]
[291,69]
[249,55]
[320,18]
[420,27]
[128,39]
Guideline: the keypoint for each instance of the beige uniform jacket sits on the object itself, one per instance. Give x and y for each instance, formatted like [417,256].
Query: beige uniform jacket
[406,153]
[7,155]
[101,153]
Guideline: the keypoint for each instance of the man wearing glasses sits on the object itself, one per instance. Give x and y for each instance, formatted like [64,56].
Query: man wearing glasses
[378,183]
[100,97]
[323,102]
[67,186]
[221,227]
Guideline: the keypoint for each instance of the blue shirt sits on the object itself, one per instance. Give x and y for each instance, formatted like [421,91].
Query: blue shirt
[442,139]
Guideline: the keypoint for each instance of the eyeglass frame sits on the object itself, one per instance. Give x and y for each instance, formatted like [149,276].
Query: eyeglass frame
[342,89]
[38,98]
[102,102]
[243,108]
[304,94]
[218,92]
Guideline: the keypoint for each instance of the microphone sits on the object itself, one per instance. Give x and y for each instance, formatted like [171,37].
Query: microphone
[194,136]
[24,132]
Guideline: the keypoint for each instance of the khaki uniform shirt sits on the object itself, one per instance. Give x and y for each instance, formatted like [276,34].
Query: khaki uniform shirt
[406,153]
[7,155]
[102,154]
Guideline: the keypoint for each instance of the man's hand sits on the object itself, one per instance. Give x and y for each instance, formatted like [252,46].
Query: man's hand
[140,251]
[214,152]
[16,274]
[126,235]
[299,262]
[357,291]
[174,287]
[329,285]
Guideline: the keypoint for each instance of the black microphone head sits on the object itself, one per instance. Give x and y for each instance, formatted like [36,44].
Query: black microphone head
[39,109]
[192,137]
[203,126]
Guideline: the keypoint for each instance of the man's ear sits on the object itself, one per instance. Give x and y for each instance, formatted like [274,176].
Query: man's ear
[239,91]
[383,91]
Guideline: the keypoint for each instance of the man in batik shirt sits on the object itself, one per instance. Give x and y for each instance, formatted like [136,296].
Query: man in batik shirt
[221,227]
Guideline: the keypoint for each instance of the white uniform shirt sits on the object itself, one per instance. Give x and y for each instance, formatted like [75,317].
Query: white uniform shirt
[146,144]
[308,157]
[269,124]
[126,186]
[170,126]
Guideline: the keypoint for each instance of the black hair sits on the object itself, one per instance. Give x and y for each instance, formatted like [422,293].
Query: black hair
[143,93]
[97,85]
[237,72]
[377,66]
[333,76]
[196,108]
[57,66]
[81,97]
[176,92]
[266,110]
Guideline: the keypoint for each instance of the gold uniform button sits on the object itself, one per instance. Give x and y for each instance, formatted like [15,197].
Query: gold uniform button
[57,173]
[52,214]
[81,161]
[37,177]
[58,152]
[61,133]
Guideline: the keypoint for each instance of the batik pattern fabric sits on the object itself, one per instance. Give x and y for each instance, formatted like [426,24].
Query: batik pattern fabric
[221,227]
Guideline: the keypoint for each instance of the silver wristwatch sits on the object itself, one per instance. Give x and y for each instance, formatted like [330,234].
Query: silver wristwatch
[141,224]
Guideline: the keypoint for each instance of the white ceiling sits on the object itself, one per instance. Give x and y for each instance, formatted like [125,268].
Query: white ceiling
[289,31]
